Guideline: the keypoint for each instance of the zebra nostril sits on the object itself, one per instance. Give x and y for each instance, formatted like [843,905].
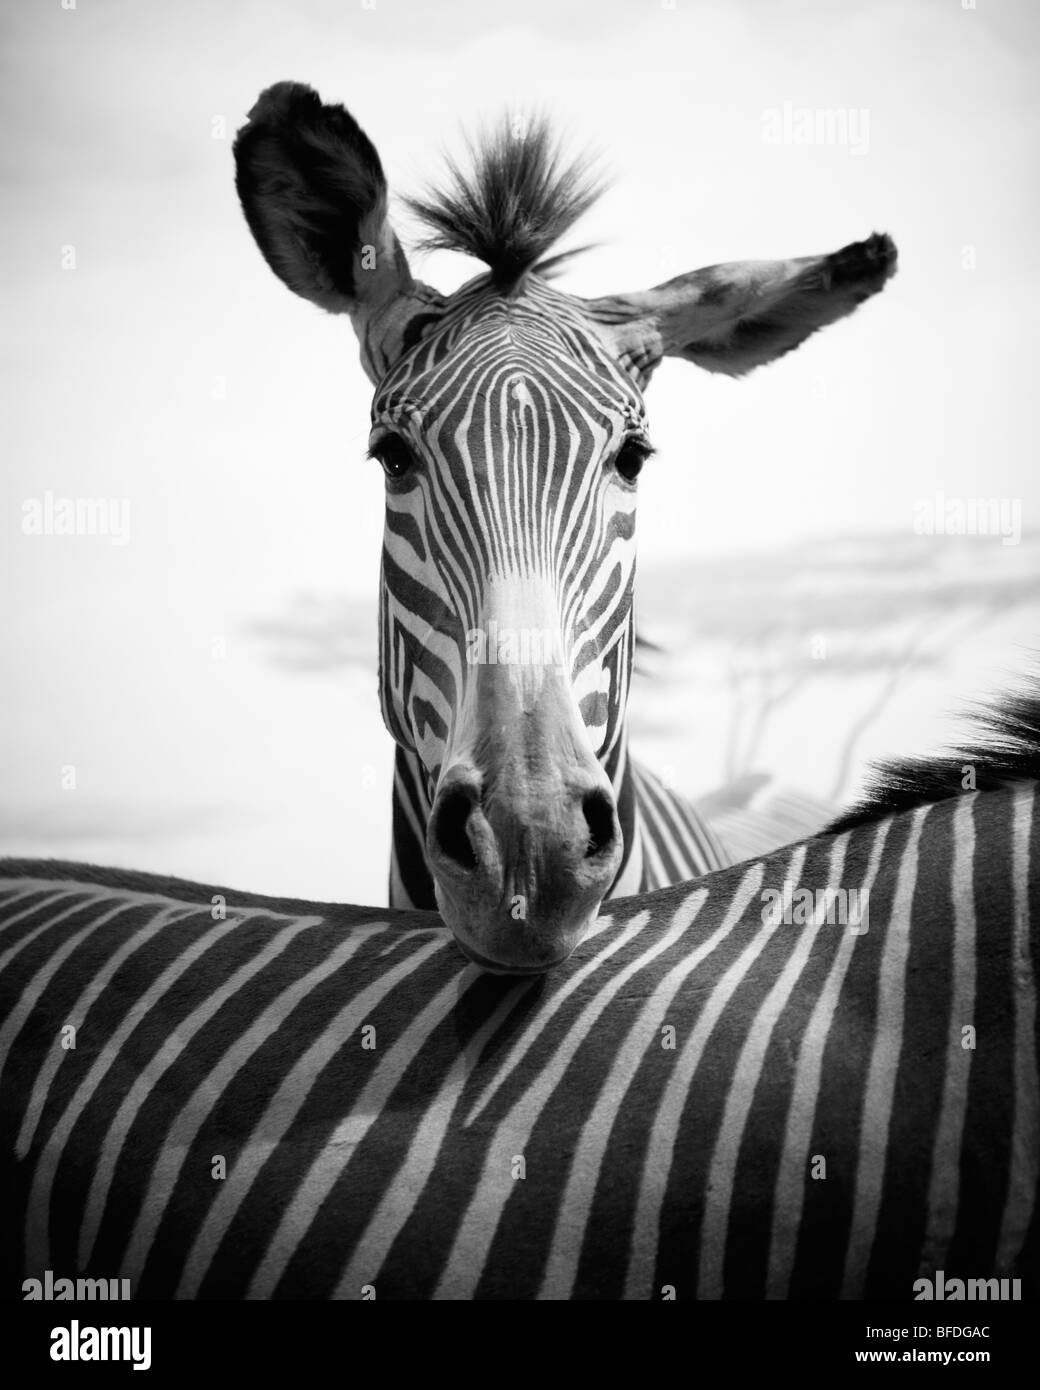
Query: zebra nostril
[599,817]
[450,818]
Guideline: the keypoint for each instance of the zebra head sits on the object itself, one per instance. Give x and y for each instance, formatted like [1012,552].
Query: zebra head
[508,419]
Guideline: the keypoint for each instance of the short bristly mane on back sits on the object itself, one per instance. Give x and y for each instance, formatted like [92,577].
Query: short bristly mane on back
[1009,751]
[516,202]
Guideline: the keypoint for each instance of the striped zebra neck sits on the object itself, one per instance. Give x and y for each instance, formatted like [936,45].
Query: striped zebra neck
[702,1102]
[666,840]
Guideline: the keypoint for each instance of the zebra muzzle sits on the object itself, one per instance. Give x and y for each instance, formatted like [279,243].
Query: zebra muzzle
[519,877]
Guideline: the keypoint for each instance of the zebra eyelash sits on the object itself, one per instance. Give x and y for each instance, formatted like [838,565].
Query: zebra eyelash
[642,443]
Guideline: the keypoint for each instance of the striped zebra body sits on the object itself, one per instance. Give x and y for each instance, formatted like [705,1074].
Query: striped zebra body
[303,1101]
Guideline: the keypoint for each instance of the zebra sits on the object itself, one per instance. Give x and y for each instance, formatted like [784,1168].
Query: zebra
[508,419]
[219,1095]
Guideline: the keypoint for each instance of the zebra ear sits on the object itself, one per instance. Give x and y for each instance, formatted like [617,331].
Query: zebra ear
[315,197]
[735,317]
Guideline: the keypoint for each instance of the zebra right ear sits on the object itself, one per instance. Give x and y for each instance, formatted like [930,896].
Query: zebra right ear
[315,197]
[740,315]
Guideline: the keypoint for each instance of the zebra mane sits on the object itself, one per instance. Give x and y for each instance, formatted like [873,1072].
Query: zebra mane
[517,200]
[1008,751]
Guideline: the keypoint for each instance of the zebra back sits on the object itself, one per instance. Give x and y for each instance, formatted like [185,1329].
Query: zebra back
[266,1101]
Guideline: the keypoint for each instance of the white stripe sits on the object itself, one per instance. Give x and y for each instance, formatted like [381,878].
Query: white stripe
[656,875]
[341,1145]
[405,801]
[631,879]
[789,1193]
[21,889]
[660,1150]
[401,1196]
[718,1198]
[210,1090]
[1025,1133]
[399,897]
[572,1222]
[12,952]
[662,834]
[944,1183]
[77,1012]
[279,1113]
[149,1076]
[37,1223]
[480,1221]
[549,1008]
[33,989]
[876,1113]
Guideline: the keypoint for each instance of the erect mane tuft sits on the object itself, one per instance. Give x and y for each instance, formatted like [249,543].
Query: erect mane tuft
[517,200]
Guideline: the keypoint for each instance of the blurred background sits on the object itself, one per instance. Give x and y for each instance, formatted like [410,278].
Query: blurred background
[197,693]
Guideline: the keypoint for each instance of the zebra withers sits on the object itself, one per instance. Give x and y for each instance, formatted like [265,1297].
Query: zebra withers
[508,418]
[213,1094]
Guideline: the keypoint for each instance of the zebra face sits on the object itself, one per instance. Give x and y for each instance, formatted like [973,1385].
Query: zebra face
[511,442]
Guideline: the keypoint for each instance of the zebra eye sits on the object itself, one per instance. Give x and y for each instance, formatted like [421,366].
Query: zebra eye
[630,459]
[394,454]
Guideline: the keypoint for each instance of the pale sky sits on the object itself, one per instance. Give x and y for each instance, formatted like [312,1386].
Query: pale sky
[171,369]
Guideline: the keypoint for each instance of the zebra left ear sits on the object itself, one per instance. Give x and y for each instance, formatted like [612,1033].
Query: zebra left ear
[732,318]
[314,194]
